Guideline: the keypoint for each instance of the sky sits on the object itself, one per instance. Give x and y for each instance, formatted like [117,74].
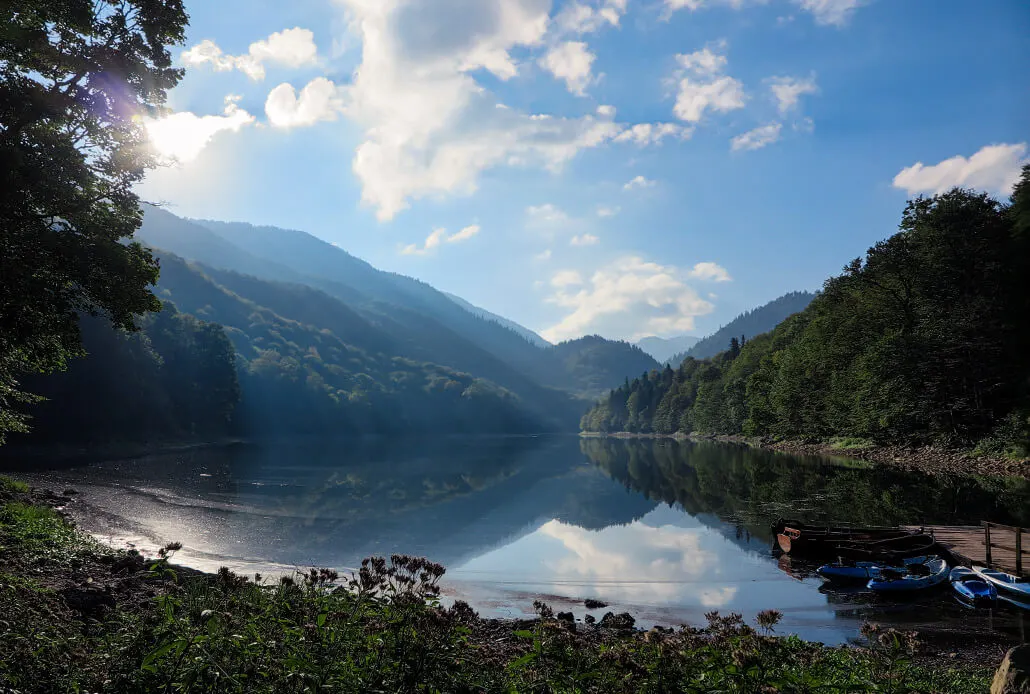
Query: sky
[618,167]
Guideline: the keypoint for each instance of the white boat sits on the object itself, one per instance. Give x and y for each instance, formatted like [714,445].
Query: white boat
[1007,584]
[918,577]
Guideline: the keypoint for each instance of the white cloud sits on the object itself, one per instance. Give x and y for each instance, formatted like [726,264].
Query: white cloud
[566,278]
[994,168]
[694,98]
[464,235]
[757,138]
[543,255]
[584,240]
[712,272]
[439,236]
[606,111]
[789,90]
[700,87]
[290,47]
[182,136]
[582,18]
[653,133]
[318,101]
[603,211]
[639,182]
[430,128]
[694,5]
[836,12]
[628,298]
[571,62]
[705,61]
[546,214]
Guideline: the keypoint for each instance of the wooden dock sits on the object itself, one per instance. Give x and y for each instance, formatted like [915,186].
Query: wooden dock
[988,544]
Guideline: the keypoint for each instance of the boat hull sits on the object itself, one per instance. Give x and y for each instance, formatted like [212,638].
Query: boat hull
[886,583]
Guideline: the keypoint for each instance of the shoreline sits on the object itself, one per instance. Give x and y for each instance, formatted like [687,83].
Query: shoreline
[102,584]
[927,459]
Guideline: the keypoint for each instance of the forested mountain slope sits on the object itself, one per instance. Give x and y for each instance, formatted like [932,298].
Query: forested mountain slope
[175,378]
[754,322]
[926,339]
[422,323]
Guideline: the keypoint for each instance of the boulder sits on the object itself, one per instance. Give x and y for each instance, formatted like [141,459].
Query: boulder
[1013,677]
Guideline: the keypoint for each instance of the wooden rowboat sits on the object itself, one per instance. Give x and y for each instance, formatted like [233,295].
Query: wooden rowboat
[805,539]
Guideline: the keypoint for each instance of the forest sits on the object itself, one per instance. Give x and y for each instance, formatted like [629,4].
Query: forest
[925,340]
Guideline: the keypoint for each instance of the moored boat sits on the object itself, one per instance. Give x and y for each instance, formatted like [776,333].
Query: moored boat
[916,577]
[864,570]
[1007,584]
[971,587]
[889,550]
[806,539]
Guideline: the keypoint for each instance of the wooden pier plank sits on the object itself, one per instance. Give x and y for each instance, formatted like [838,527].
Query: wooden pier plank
[968,546]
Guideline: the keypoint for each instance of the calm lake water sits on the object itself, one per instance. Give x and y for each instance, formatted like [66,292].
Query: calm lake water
[665,530]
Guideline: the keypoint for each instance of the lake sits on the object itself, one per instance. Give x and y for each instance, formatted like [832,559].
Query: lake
[665,530]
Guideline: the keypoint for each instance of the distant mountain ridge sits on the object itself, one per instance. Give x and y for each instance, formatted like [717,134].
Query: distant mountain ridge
[748,324]
[302,278]
[665,348]
[509,324]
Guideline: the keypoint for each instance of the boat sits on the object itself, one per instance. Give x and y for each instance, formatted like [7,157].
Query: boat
[889,550]
[971,587]
[916,577]
[1007,584]
[804,539]
[864,570]
[1019,604]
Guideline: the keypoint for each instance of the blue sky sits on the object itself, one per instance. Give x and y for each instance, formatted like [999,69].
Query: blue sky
[622,167]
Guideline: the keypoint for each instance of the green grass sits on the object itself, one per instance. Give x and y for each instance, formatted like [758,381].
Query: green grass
[850,443]
[382,630]
[13,486]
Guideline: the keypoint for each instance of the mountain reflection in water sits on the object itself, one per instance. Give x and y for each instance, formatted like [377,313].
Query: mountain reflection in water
[666,530]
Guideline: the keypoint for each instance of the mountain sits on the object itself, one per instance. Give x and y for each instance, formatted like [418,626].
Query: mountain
[509,324]
[317,283]
[665,348]
[598,364]
[748,324]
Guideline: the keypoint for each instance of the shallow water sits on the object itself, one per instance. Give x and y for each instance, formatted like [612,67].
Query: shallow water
[665,530]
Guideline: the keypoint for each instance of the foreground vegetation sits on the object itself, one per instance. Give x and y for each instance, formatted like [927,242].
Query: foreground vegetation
[77,617]
[924,341]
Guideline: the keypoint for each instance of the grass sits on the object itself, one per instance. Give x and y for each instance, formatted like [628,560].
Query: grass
[76,618]
[850,443]
[12,486]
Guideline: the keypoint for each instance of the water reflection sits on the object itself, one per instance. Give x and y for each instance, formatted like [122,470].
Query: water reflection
[664,529]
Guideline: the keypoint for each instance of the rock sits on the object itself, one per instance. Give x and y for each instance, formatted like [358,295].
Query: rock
[89,602]
[618,621]
[589,619]
[592,604]
[1013,677]
[566,617]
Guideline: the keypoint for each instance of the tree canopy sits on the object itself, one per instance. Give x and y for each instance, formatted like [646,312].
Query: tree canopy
[925,340]
[76,78]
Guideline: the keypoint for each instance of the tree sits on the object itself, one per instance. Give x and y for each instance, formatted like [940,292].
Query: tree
[76,77]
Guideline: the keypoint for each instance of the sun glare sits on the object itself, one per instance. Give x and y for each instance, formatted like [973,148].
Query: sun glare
[182,136]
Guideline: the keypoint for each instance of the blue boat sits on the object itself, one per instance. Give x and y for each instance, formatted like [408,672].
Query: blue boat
[915,577]
[971,587]
[864,570]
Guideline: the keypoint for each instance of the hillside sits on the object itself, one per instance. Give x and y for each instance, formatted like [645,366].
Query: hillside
[748,324]
[665,348]
[923,341]
[525,332]
[420,322]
